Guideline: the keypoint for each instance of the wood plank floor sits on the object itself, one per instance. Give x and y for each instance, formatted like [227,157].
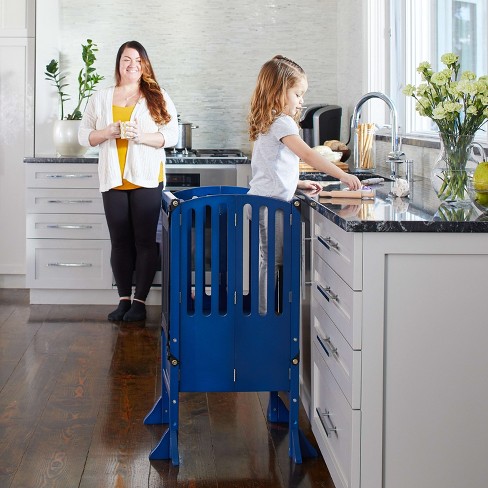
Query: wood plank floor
[75,388]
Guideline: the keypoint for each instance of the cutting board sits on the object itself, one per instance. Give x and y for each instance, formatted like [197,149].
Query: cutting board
[306,168]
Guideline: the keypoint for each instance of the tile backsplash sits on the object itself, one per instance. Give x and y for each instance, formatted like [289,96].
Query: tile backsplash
[207,54]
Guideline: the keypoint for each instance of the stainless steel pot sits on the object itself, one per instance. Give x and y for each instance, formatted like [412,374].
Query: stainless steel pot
[184,135]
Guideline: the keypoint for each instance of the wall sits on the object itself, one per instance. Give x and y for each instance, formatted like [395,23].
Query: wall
[208,54]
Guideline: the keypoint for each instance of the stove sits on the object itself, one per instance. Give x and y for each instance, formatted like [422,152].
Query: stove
[205,153]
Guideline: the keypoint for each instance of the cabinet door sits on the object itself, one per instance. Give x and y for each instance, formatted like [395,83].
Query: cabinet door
[341,250]
[336,426]
[16,141]
[67,226]
[74,201]
[17,18]
[68,264]
[54,175]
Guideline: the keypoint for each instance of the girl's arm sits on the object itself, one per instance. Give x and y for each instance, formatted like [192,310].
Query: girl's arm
[312,157]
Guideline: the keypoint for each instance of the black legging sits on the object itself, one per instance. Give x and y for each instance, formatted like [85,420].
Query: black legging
[132,218]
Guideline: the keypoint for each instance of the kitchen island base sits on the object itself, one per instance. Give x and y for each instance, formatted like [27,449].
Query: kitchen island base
[399,334]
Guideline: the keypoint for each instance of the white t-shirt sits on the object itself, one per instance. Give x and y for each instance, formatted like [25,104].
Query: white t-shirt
[275,170]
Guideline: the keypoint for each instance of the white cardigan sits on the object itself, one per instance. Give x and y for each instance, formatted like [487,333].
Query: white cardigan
[143,162]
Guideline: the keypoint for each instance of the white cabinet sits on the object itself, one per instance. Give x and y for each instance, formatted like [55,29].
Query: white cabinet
[17,18]
[16,132]
[399,336]
[336,348]
[68,244]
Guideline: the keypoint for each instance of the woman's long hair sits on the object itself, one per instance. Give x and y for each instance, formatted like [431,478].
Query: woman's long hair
[148,85]
[269,98]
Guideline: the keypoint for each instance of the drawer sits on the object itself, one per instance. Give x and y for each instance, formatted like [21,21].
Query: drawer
[55,175]
[343,362]
[336,426]
[66,226]
[342,304]
[68,264]
[76,200]
[340,249]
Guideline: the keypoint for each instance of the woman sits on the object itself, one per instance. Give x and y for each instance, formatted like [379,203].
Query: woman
[131,123]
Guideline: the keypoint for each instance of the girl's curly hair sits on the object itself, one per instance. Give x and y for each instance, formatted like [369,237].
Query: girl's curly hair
[148,85]
[269,98]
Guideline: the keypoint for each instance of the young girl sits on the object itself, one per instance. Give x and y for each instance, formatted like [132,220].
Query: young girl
[273,126]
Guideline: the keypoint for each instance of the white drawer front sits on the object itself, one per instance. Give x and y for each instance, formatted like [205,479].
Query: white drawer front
[342,304]
[341,250]
[52,175]
[343,362]
[57,263]
[336,426]
[65,226]
[85,200]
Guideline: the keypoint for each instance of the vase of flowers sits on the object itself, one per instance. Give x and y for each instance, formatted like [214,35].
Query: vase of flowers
[458,104]
[65,130]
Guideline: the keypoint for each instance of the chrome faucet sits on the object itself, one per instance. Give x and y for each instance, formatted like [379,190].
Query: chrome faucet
[396,155]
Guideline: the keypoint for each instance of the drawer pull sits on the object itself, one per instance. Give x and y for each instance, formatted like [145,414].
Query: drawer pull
[69,176]
[328,242]
[322,342]
[71,265]
[69,201]
[323,417]
[68,226]
[327,293]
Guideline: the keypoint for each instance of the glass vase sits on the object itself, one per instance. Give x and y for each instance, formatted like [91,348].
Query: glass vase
[452,169]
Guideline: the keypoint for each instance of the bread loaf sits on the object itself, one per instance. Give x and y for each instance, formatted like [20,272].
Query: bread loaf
[336,145]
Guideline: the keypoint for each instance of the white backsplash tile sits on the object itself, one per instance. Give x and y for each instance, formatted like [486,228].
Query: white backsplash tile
[208,54]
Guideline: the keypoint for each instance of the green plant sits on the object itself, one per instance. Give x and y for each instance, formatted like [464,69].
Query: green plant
[87,80]
[456,102]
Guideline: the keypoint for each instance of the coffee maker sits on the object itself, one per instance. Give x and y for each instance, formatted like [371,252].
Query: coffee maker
[320,123]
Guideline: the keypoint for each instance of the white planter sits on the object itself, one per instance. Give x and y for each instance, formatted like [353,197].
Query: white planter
[65,137]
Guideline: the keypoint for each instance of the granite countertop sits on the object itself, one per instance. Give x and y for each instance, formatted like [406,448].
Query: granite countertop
[169,160]
[421,211]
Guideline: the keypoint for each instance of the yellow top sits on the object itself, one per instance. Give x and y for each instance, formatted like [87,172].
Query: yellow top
[123,114]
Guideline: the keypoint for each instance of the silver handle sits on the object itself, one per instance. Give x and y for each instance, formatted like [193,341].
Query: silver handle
[328,242]
[69,176]
[322,417]
[327,293]
[70,202]
[68,226]
[70,265]
[326,340]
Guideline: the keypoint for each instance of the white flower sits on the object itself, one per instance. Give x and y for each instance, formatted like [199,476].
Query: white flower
[439,113]
[449,58]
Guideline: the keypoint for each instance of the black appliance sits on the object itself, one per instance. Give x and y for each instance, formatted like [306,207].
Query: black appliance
[321,123]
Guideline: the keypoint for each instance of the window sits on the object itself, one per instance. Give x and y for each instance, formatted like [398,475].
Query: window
[403,33]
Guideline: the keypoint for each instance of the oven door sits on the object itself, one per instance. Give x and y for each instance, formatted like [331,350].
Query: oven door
[182,176]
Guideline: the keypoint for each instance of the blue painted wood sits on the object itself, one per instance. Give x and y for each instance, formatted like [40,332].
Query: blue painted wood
[213,336]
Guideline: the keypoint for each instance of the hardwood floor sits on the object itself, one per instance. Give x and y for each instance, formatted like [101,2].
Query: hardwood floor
[75,388]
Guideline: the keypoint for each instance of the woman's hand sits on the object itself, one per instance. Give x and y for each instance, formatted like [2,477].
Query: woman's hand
[112,131]
[132,132]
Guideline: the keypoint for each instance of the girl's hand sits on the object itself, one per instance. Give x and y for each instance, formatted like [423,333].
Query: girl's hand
[311,187]
[351,181]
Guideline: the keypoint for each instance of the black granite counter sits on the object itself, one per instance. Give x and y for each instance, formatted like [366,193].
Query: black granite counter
[422,211]
[169,160]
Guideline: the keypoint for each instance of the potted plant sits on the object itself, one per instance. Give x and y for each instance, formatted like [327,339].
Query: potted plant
[65,132]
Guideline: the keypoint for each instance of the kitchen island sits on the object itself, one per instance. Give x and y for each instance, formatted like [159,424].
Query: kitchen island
[398,326]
